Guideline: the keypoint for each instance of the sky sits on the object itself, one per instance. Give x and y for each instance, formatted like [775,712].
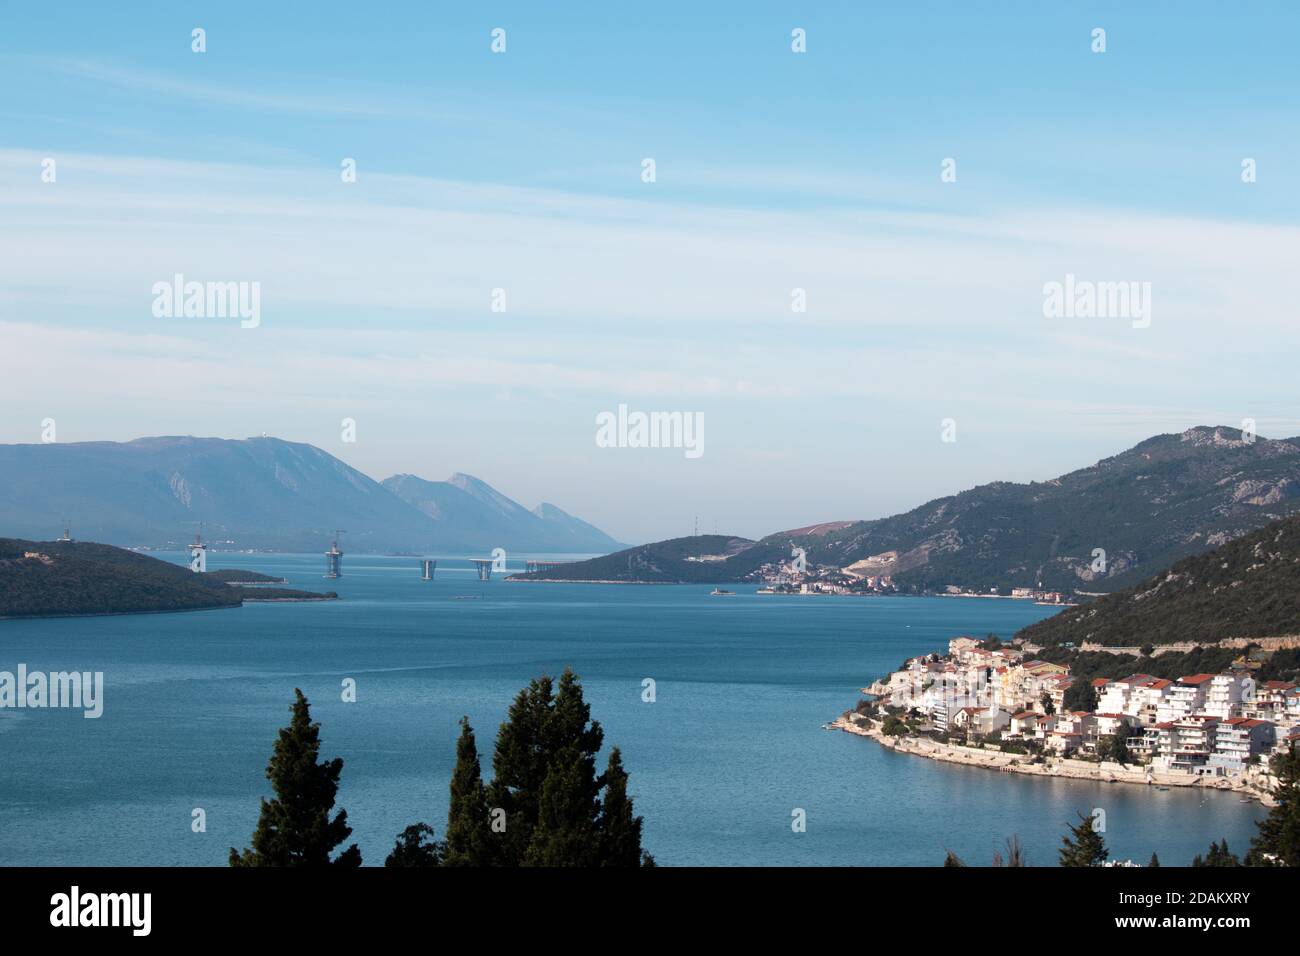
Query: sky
[829,171]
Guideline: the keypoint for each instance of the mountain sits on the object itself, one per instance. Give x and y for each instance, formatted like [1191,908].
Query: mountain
[465,508]
[1166,498]
[1248,588]
[256,493]
[1169,497]
[55,578]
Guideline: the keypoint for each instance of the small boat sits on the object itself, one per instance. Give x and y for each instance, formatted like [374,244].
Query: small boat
[766,591]
[717,591]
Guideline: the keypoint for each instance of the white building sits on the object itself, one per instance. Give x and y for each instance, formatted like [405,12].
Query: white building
[1121,696]
[1237,739]
[1184,745]
[1185,697]
[1223,699]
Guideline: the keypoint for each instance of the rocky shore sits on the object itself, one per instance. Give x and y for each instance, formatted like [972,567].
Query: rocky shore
[1106,772]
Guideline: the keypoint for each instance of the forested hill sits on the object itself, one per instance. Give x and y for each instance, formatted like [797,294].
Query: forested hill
[1247,588]
[705,558]
[59,578]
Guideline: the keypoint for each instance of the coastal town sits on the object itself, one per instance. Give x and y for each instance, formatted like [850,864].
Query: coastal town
[997,705]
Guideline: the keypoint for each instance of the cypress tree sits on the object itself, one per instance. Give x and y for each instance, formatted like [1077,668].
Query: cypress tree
[577,739]
[295,828]
[468,820]
[416,847]
[619,826]
[545,783]
[544,765]
[1087,848]
[520,763]
[1278,841]
[1155,860]
[565,834]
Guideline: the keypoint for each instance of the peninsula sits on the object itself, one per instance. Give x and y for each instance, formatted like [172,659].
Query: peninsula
[1186,679]
[74,578]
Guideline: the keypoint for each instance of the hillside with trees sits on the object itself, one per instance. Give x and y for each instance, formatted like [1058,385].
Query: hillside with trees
[1245,589]
[66,578]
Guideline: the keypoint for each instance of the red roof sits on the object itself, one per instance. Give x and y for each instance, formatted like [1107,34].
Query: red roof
[1197,678]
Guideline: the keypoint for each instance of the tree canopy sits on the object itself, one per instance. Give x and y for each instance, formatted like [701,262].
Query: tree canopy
[295,827]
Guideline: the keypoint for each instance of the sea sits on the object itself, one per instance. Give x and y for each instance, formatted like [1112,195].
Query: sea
[729,760]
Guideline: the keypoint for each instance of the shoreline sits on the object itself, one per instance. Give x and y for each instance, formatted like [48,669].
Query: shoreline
[1056,767]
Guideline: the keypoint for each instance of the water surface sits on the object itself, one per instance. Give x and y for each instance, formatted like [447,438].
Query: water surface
[733,744]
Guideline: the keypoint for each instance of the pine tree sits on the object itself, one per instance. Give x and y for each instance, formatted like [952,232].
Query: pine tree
[416,847]
[1155,860]
[468,819]
[1278,841]
[952,859]
[1087,848]
[295,828]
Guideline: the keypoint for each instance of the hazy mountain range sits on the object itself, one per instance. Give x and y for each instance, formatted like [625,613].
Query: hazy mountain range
[263,493]
[1169,497]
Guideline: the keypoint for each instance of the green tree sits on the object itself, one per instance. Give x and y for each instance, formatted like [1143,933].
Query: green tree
[1155,860]
[1113,747]
[1278,841]
[295,828]
[468,817]
[893,726]
[545,781]
[952,859]
[565,834]
[1080,695]
[619,826]
[546,735]
[1048,707]
[1218,855]
[416,847]
[1084,846]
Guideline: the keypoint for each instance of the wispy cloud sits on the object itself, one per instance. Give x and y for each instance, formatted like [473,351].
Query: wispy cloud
[376,297]
[171,86]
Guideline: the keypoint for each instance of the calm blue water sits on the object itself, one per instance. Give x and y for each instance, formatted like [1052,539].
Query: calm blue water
[732,745]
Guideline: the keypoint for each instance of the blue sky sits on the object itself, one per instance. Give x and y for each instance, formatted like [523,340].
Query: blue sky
[775,170]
